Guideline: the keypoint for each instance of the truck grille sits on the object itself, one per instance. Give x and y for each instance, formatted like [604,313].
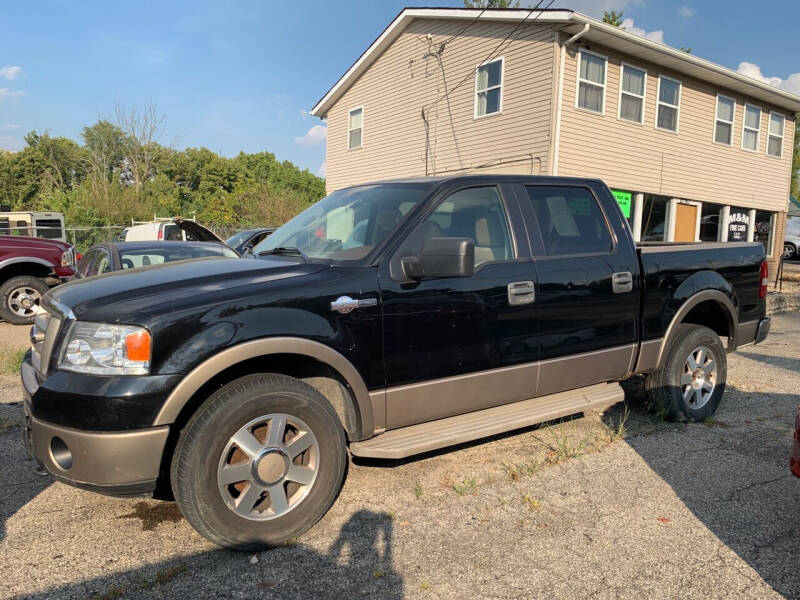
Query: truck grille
[43,338]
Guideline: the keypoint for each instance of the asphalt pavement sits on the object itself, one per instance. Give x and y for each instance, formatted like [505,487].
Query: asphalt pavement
[579,509]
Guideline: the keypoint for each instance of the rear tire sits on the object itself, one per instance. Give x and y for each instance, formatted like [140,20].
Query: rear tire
[19,299]
[236,474]
[789,251]
[690,382]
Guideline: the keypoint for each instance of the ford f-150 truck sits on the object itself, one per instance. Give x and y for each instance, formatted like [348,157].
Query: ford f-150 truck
[389,319]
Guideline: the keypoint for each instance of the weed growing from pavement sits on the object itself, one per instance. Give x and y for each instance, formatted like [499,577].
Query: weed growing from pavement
[712,422]
[6,423]
[532,503]
[467,485]
[418,491]
[111,593]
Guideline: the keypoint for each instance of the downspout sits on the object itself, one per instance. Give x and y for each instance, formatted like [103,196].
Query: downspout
[557,137]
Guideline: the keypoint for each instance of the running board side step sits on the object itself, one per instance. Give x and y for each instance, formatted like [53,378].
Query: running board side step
[424,437]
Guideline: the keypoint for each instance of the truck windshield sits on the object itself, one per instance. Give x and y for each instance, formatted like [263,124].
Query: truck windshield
[347,224]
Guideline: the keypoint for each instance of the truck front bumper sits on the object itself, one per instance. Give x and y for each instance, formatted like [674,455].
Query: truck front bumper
[118,463]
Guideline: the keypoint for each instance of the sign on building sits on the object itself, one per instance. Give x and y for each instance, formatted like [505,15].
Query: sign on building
[738,222]
[624,201]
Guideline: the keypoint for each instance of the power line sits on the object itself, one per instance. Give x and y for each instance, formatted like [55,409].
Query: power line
[496,50]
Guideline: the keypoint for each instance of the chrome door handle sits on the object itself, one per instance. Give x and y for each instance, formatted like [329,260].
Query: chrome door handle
[521,292]
[622,283]
[345,304]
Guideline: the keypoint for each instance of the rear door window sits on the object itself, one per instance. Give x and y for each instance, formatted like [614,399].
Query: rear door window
[570,220]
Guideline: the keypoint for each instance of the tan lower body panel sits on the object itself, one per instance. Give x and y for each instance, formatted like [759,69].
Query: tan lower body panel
[416,439]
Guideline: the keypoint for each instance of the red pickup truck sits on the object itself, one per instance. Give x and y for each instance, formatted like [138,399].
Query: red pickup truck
[28,268]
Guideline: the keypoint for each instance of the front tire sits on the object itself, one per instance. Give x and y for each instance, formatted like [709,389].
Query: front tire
[260,462]
[19,299]
[788,251]
[690,382]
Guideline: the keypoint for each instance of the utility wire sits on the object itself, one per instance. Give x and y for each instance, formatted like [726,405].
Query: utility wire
[499,48]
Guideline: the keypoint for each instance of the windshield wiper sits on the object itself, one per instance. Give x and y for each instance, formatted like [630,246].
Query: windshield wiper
[285,251]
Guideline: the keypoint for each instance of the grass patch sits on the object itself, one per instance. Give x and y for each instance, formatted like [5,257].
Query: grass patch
[563,446]
[518,471]
[418,491]
[468,485]
[164,576]
[712,422]
[11,361]
[113,592]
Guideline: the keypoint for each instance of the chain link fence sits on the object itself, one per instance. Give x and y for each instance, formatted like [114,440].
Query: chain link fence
[84,237]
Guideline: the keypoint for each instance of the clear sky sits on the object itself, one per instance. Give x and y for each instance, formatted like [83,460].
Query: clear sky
[234,76]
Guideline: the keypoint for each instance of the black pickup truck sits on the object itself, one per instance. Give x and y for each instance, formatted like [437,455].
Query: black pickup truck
[389,319]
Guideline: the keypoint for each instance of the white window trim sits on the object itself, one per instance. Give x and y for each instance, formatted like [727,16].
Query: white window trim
[716,118]
[475,114]
[769,135]
[621,91]
[675,106]
[746,128]
[578,82]
[350,112]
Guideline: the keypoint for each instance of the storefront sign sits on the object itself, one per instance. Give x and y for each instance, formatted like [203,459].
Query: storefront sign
[738,222]
[624,201]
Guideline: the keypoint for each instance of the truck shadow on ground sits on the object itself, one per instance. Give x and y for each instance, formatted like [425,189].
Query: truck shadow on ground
[359,563]
[733,475]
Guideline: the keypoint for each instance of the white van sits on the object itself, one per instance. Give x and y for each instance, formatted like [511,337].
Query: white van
[162,230]
[174,230]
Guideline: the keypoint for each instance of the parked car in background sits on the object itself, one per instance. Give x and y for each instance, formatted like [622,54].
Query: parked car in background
[791,243]
[245,240]
[172,230]
[108,257]
[28,268]
[49,225]
[794,459]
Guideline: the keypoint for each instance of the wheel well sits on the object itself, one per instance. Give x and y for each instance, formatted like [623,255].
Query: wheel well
[317,374]
[713,315]
[24,268]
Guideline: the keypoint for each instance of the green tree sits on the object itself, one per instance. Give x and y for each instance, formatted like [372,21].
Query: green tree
[613,18]
[491,3]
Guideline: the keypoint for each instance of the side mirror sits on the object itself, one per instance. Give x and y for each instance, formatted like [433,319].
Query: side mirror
[442,257]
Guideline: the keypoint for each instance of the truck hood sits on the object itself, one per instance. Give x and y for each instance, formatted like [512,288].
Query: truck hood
[14,241]
[124,296]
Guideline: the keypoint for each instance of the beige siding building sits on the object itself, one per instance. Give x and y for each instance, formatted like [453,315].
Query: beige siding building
[694,151]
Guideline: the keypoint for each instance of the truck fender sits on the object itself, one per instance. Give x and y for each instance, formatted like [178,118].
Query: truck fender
[696,298]
[26,259]
[214,365]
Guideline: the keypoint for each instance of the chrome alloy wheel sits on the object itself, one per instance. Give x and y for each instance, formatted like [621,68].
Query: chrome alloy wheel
[699,377]
[23,301]
[268,467]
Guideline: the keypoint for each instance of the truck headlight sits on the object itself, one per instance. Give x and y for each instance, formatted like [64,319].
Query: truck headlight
[68,258]
[104,349]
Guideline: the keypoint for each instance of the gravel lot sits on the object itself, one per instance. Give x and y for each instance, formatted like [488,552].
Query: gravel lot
[575,509]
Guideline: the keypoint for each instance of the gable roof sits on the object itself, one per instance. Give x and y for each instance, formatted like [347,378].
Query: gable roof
[572,22]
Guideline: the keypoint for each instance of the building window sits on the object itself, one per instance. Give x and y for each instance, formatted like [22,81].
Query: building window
[751,127]
[355,128]
[775,140]
[489,88]
[669,100]
[632,92]
[765,223]
[709,222]
[723,127]
[591,82]
[654,218]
